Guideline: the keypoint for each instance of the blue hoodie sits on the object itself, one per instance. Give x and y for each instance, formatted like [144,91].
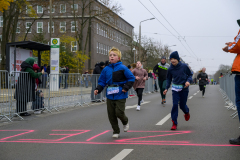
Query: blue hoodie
[179,74]
[117,74]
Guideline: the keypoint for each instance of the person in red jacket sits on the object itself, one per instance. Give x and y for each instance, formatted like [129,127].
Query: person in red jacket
[234,47]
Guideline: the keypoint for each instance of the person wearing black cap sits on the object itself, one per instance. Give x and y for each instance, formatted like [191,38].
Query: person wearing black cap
[181,76]
[161,70]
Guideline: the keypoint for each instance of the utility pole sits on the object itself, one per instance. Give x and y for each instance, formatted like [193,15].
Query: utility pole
[50,23]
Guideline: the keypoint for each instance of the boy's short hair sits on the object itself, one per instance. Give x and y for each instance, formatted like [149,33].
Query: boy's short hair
[117,51]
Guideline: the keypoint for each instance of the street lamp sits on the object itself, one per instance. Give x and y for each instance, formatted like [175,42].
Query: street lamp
[134,53]
[140,29]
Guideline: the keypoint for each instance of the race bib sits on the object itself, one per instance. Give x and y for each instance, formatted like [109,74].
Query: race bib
[177,88]
[112,90]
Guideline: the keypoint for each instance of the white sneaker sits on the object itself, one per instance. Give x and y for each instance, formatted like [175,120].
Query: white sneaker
[142,101]
[138,108]
[126,127]
[115,135]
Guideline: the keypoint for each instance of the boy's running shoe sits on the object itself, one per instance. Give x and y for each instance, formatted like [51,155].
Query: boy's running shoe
[187,116]
[115,136]
[174,126]
[126,127]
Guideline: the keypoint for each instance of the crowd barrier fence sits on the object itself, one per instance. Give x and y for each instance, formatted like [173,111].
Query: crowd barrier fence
[19,95]
[227,89]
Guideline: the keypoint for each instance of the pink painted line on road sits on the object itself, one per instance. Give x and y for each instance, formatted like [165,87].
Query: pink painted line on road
[97,135]
[29,131]
[162,144]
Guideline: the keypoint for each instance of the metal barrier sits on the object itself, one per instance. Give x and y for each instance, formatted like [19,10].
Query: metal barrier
[4,96]
[19,94]
[227,89]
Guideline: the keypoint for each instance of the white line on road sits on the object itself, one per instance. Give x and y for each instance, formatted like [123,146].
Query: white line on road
[195,94]
[190,97]
[134,106]
[164,119]
[122,154]
[198,91]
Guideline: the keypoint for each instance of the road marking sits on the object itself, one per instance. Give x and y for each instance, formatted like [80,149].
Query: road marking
[190,97]
[122,154]
[134,106]
[198,91]
[195,94]
[164,119]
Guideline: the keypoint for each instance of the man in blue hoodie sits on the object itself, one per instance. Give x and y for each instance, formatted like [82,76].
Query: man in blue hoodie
[181,76]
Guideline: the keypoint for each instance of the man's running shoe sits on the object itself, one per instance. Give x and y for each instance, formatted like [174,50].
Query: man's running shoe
[164,100]
[187,116]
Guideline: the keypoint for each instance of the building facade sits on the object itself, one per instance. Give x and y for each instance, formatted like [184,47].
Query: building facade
[101,28]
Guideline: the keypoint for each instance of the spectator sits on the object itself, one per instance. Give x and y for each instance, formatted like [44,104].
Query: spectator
[25,87]
[234,47]
[86,78]
[97,71]
[38,81]
[66,76]
[38,104]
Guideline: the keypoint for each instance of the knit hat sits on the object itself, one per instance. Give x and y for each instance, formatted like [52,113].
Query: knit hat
[163,57]
[238,21]
[129,66]
[102,64]
[36,67]
[175,55]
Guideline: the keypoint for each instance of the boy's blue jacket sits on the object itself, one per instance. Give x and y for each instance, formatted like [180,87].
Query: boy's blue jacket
[179,74]
[117,74]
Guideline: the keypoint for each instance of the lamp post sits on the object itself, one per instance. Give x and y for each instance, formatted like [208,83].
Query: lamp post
[134,54]
[140,29]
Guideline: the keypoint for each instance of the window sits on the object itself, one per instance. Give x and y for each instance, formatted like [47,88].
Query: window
[28,9]
[52,27]
[62,27]
[1,21]
[73,26]
[0,38]
[39,27]
[63,47]
[62,8]
[18,28]
[28,27]
[53,9]
[39,9]
[97,47]
[75,7]
[74,46]
[97,29]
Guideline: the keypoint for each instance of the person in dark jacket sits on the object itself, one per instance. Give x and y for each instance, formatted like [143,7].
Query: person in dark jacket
[97,71]
[25,87]
[38,104]
[203,79]
[161,70]
[181,76]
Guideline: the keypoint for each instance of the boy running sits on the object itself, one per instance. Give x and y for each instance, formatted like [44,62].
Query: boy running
[182,77]
[118,79]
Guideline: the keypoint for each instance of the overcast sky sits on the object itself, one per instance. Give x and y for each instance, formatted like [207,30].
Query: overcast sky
[211,23]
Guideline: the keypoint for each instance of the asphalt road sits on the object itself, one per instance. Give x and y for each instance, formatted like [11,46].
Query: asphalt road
[84,133]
